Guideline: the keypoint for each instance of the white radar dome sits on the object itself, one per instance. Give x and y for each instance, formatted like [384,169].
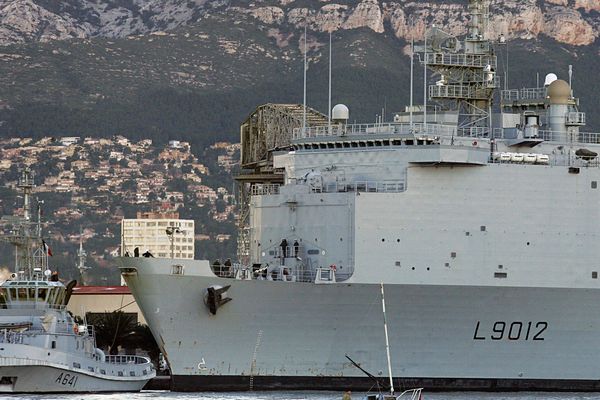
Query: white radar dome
[340,112]
[549,79]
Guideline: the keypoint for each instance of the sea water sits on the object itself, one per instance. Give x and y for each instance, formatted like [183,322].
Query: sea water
[165,395]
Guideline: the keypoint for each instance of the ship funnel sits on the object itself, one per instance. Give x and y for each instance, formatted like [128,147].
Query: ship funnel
[340,113]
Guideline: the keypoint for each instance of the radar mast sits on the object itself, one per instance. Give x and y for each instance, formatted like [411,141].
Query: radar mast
[31,251]
[81,257]
[466,71]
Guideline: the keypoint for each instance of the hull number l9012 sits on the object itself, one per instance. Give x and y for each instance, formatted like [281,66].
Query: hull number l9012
[516,330]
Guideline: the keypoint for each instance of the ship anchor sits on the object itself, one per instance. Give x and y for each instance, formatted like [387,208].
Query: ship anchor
[215,297]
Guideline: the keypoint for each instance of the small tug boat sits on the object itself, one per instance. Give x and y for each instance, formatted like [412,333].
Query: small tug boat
[42,348]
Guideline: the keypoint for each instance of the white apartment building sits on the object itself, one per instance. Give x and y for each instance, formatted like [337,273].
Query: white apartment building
[164,235]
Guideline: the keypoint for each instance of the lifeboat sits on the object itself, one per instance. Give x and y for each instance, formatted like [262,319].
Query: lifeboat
[516,157]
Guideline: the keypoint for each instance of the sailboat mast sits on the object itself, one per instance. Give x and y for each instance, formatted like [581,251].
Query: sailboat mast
[387,342]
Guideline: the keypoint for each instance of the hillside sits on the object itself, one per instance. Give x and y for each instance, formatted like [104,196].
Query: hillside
[192,70]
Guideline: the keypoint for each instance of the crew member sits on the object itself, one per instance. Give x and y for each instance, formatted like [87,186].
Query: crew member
[147,254]
[283,246]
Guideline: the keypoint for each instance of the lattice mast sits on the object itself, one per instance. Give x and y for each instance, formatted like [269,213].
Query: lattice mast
[81,257]
[466,71]
[31,256]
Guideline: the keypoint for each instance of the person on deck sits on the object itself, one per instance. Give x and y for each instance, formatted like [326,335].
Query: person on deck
[147,254]
[283,245]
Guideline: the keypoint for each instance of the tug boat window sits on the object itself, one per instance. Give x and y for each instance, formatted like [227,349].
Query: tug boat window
[42,293]
[3,298]
[13,293]
[51,296]
[22,294]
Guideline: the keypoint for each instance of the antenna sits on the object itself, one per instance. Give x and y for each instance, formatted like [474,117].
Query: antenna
[571,78]
[507,64]
[81,256]
[412,59]
[329,104]
[503,42]
[304,99]
[425,85]
[387,341]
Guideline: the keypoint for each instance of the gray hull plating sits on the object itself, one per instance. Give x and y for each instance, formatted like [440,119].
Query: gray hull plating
[296,331]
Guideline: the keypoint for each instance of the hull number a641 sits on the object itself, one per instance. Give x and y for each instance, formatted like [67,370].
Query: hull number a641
[517,330]
[66,379]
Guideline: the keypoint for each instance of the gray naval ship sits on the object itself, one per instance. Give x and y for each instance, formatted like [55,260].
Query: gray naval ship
[482,224]
[42,348]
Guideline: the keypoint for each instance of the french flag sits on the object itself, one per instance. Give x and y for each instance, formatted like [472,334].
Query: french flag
[46,248]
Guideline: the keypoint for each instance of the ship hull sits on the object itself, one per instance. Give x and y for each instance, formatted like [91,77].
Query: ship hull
[55,379]
[228,383]
[283,335]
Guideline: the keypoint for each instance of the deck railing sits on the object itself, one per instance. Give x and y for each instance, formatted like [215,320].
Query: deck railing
[385,128]
[337,187]
[553,136]
[523,94]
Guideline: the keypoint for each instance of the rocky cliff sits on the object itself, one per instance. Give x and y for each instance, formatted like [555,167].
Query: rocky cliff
[192,69]
[574,22]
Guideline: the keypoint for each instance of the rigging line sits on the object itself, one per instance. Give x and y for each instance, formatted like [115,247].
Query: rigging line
[118,323]
[128,304]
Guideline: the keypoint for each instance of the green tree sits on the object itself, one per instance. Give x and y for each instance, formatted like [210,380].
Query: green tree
[113,330]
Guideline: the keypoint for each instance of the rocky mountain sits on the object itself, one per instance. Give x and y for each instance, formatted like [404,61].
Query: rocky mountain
[575,22]
[192,69]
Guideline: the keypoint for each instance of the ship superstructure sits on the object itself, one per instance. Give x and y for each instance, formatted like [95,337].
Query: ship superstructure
[482,226]
[42,348]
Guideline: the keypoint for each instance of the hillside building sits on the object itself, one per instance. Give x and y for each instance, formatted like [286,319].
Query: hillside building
[163,234]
